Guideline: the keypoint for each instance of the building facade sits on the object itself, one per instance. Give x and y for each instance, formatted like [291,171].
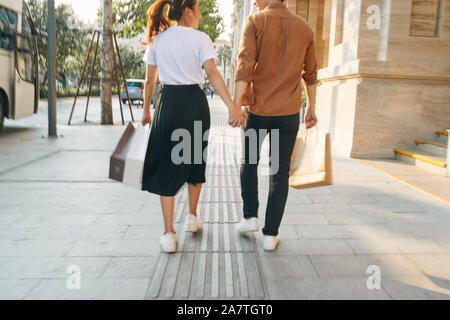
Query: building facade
[384,70]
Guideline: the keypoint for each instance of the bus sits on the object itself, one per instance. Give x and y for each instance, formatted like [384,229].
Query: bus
[19,73]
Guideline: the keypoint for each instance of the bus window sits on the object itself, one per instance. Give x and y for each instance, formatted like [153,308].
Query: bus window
[24,58]
[8,25]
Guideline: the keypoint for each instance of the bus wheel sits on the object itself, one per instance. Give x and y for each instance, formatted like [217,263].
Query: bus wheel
[2,113]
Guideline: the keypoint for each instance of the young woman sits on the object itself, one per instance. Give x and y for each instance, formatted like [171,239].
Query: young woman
[177,51]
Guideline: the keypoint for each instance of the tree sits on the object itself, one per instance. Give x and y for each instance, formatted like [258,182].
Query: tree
[107,61]
[71,42]
[131,18]
[224,54]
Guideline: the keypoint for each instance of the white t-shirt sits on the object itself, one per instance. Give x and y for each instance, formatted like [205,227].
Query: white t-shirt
[179,52]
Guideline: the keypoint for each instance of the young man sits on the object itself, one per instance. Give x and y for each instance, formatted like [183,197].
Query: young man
[276,52]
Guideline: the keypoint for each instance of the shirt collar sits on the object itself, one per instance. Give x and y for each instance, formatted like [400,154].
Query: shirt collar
[276,6]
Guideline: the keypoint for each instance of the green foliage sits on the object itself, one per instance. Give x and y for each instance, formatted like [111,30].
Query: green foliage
[71,44]
[133,65]
[224,55]
[130,18]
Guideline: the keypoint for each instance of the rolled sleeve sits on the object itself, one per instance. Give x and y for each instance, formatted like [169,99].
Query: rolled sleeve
[149,55]
[247,52]
[207,50]
[310,67]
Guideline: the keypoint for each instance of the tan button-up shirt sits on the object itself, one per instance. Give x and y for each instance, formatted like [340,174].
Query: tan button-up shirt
[276,51]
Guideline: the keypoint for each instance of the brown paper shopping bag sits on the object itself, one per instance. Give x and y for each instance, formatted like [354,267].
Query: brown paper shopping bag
[127,160]
[311,161]
[117,160]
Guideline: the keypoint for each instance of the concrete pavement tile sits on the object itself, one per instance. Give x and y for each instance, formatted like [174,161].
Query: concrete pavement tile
[432,263]
[9,219]
[131,220]
[57,219]
[293,219]
[16,289]
[355,218]
[324,190]
[144,232]
[307,247]
[91,289]
[34,248]
[298,198]
[337,231]
[356,190]
[414,245]
[350,199]
[421,218]
[343,265]
[319,208]
[65,165]
[417,287]
[39,232]
[326,199]
[102,248]
[289,266]
[322,288]
[131,267]
[373,246]
[389,207]
[425,231]
[51,267]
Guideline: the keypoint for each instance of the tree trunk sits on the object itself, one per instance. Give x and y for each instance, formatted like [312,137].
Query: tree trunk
[106,83]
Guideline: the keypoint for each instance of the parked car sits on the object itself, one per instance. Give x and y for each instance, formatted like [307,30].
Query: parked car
[135,91]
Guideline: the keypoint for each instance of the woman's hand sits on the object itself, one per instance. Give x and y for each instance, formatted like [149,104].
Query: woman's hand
[237,117]
[310,118]
[146,118]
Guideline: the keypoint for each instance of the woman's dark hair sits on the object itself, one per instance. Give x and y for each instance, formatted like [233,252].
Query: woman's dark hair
[158,17]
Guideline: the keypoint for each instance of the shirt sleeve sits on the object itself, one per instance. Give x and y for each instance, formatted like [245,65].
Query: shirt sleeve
[149,55]
[207,50]
[310,68]
[247,52]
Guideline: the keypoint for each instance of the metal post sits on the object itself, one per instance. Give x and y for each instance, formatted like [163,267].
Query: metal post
[51,65]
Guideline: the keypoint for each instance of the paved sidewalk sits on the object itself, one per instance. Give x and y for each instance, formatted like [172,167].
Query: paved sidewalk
[59,209]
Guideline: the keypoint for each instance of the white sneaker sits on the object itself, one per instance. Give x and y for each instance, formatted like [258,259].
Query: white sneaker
[248,225]
[192,223]
[270,243]
[168,242]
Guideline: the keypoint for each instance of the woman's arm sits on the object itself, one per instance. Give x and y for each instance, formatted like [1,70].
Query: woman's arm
[149,86]
[236,116]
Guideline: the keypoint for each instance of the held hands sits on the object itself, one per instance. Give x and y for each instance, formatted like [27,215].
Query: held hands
[237,117]
[310,118]
[146,118]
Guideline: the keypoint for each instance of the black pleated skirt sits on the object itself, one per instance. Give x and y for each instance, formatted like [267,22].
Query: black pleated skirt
[178,142]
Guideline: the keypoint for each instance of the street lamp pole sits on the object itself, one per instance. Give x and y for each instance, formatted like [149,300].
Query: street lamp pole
[51,67]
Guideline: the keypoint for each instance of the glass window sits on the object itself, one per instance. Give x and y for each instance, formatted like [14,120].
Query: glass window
[135,84]
[8,25]
[24,58]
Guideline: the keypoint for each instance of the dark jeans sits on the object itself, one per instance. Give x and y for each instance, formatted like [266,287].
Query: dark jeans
[279,179]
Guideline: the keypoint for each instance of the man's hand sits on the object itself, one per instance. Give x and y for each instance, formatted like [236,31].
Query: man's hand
[146,118]
[310,118]
[237,117]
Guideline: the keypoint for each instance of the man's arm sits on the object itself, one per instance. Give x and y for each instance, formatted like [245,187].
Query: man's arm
[310,83]
[239,90]
[246,60]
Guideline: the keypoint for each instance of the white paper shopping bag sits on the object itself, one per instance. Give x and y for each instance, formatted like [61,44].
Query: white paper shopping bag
[135,157]
[311,161]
